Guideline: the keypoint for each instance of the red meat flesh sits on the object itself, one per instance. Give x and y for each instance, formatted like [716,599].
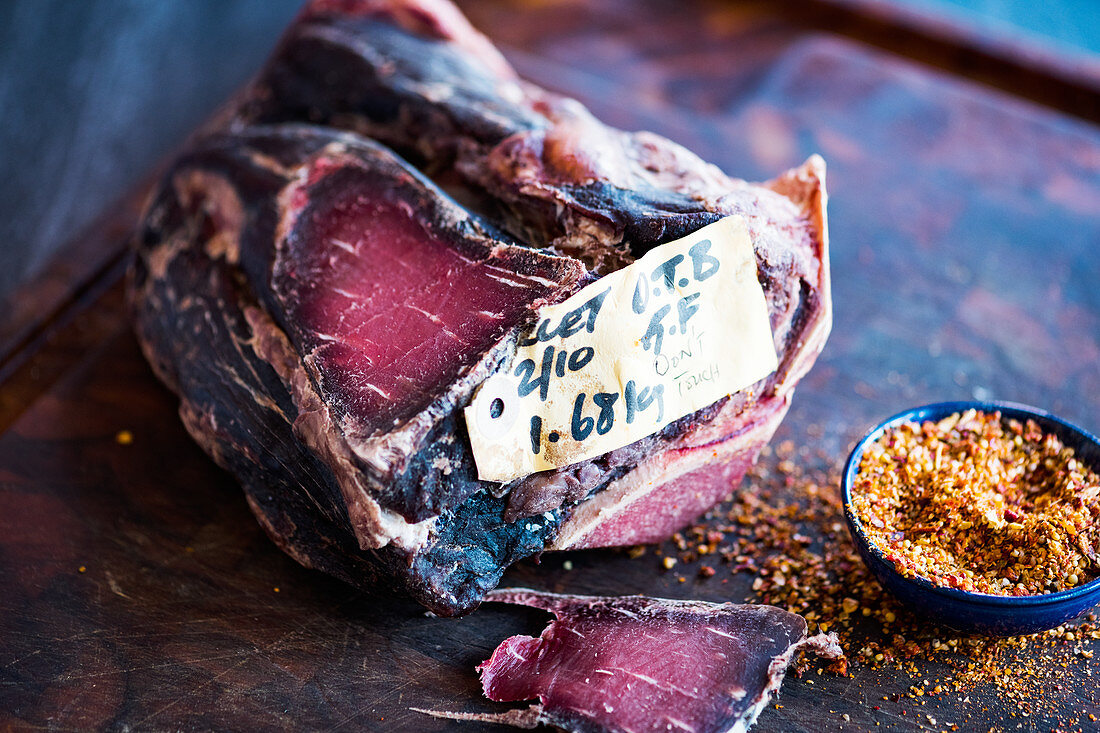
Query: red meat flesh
[390,309]
[668,489]
[646,664]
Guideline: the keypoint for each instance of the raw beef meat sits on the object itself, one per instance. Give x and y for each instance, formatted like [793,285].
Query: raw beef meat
[416,76]
[325,311]
[637,664]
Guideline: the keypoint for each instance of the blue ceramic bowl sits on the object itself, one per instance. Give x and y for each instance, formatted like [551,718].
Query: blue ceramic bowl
[977,613]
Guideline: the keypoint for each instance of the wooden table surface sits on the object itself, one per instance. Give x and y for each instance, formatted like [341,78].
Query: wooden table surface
[139,593]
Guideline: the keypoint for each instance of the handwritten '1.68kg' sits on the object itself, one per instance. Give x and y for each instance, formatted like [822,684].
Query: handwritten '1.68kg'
[583,423]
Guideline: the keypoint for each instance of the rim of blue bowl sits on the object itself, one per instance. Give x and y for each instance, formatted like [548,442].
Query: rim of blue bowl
[943,409]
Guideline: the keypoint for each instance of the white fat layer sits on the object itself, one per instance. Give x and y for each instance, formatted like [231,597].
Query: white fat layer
[393,528]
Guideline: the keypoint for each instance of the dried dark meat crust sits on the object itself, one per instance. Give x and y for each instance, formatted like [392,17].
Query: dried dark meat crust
[270,377]
[557,175]
[209,323]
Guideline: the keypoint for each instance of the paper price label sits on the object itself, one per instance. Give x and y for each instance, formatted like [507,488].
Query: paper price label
[676,331]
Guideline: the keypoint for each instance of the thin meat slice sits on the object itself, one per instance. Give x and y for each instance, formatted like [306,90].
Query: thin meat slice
[634,664]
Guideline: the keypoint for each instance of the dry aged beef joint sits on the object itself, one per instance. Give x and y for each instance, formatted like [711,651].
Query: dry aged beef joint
[325,311]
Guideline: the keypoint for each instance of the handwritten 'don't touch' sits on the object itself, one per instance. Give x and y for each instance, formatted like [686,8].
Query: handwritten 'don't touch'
[678,330]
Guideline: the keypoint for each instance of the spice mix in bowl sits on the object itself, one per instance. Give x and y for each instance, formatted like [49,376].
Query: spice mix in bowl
[985,516]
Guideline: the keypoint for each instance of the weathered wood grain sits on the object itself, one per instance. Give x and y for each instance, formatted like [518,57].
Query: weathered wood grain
[965,251]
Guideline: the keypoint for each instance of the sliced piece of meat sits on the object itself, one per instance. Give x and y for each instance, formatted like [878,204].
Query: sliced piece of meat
[634,664]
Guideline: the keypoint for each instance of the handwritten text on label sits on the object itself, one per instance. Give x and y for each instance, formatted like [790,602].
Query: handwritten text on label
[681,328]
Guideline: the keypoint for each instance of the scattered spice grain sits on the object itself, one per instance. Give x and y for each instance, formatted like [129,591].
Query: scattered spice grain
[783,539]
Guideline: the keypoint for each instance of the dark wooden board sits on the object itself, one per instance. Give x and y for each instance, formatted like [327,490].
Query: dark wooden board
[965,248]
